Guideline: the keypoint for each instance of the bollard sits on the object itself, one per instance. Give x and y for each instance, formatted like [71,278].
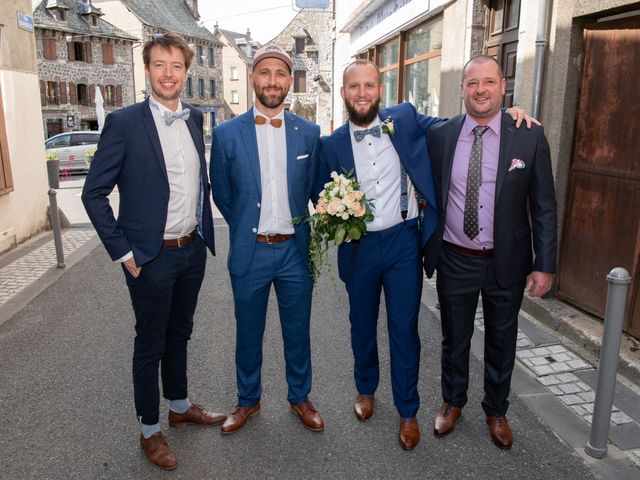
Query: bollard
[618,279]
[55,223]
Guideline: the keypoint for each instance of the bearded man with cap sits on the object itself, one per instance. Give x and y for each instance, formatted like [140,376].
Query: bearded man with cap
[263,169]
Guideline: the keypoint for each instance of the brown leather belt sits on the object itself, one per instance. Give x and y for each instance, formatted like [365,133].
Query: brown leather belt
[468,251]
[180,242]
[275,238]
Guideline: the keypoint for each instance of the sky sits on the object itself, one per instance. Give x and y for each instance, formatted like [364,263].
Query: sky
[264,19]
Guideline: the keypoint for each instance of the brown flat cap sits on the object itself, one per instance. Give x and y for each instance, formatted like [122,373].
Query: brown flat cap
[272,51]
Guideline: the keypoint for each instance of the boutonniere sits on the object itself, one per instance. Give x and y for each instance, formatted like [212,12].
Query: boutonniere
[516,164]
[387,127]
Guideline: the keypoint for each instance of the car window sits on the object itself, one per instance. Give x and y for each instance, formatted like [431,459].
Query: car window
[57,142]
[85,139]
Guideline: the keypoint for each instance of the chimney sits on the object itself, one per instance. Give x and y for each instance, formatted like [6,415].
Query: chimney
[193,7]
[249,48]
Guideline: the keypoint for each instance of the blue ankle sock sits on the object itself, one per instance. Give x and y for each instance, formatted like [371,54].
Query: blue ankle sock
[180,406]
[148,430]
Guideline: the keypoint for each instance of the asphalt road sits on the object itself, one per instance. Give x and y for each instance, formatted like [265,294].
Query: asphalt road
[66,408]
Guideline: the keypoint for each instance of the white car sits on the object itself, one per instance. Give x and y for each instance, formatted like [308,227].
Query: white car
[71,149]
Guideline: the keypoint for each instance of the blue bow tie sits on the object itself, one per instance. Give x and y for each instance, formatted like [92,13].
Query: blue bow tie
[360,134]
[170,117]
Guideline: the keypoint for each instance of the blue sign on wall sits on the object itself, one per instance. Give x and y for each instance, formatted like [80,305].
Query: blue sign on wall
[25,22]
[322,4]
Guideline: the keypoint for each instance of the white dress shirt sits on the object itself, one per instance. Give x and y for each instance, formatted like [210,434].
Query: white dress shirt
[183,172]
[275,213]
[378,167]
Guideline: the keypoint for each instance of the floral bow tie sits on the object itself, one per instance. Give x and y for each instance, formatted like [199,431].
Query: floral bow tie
[170,117]
[360,134]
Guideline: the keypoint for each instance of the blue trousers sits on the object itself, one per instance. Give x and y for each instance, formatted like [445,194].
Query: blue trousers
[164,298]
[388,259]
[279,265]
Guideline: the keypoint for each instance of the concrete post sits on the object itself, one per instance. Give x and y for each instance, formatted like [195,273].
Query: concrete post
[618,279]
[55,223]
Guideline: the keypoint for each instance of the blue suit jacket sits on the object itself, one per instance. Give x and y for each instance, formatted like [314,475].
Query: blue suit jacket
[130,156]
[410,142]
[236,187]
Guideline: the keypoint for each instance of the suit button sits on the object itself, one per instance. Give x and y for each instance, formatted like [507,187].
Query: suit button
[254,230]
[258,204]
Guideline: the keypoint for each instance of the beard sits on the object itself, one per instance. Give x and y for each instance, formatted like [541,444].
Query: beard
[363,119]
[271,101]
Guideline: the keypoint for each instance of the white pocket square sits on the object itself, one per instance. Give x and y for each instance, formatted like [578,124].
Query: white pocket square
[516,164]
[302,157]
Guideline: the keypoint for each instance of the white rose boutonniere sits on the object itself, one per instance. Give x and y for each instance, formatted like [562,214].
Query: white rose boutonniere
[387,127]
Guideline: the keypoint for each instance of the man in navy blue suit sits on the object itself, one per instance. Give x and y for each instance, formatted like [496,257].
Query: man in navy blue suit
[154,152]
[263,170]
[387,152]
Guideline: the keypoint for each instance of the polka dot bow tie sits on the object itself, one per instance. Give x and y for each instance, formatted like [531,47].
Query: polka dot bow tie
[360,134]
[170,117]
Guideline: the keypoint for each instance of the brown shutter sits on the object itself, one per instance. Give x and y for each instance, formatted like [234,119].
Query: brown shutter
[88,52]
[73,94]
[107,54]
[92,95]
[49,48]
[43,93]
[70,52]
[119,95]
[63,93]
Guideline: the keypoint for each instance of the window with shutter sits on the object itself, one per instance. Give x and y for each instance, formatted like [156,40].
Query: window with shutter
[88,52]
[49,48]
[63,93]
[107,54]
[92,95]
[73,94]
[119,95]
[43,93]
[71,51]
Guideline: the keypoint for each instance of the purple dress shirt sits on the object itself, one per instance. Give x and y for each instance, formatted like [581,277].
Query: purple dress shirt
[453,231]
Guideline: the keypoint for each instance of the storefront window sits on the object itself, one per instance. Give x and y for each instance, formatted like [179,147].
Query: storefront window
[389,53]
[390,91]
[422,86]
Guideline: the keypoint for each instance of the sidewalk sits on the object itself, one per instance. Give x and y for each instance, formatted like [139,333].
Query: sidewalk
[554,377]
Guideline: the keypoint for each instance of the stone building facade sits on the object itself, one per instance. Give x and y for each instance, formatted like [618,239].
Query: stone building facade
[205,86]
[77,52]
[308,38]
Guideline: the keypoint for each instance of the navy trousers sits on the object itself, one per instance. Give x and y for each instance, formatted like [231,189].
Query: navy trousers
[279,265]
[389,260]
[461,278]
[164,298]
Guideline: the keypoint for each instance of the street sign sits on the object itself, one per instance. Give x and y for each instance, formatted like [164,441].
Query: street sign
[25,22]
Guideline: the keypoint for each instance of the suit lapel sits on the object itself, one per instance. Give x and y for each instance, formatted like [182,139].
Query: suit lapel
[292,134]
[507,134]
[152,132]
[345,150]
[248,133]
[450,143]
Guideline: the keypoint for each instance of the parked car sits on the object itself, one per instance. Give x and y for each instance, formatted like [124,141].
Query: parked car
[71,148]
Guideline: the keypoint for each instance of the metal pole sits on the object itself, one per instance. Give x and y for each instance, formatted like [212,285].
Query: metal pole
[55,223]
[542,42]
[618,279]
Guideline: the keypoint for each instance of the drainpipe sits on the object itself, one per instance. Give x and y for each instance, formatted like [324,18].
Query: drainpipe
[542,42]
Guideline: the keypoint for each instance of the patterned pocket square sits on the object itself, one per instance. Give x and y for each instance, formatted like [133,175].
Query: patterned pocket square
[516,164]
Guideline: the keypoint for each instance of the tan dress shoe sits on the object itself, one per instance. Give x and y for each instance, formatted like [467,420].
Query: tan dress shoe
[409,434]
[238,419]
[308,415]
[196,415]
[500,431]
[157,450]
[446,419]
[363,407]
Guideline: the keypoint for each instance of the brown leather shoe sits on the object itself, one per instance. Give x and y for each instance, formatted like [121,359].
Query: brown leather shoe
[409,434]
[500,431]
[238,418]
[195,415]
[446,419]
[363,407]
[157,450]
[308,415]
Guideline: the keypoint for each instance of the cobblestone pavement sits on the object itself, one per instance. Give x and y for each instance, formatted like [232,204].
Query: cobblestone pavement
[27,269]
[554,366]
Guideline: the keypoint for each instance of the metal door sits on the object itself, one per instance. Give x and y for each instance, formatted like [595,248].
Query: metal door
[602,220]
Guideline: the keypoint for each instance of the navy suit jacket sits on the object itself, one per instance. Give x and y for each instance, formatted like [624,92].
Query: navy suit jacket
[130,156]
[236,186]
[410,142]
[521,195]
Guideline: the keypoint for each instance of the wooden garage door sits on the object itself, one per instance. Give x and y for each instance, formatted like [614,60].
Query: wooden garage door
[602,220]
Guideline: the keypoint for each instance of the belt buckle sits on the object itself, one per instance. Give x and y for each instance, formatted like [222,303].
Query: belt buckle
[267,237]
[179,241]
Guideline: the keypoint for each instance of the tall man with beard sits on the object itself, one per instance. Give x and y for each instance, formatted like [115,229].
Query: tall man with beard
[263,169]
[383,148]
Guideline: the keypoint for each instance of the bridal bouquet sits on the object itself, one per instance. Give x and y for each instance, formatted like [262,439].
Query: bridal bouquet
[339,216]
